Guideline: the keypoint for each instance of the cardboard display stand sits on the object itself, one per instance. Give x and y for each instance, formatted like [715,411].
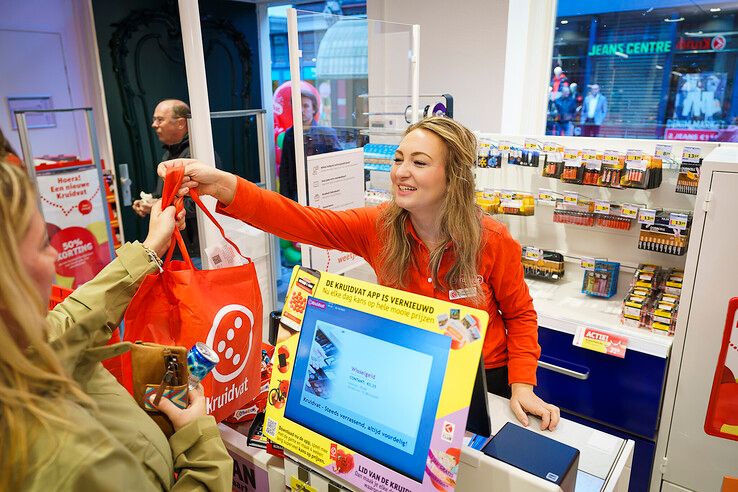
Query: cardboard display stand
[374,390]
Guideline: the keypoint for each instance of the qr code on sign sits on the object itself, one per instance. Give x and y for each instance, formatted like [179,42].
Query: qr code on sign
[271,427]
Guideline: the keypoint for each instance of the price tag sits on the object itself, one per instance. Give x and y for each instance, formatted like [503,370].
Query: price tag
[512,203]
[628,210]
[691,155]
[663,151]
[602,207]
[533,254]
[678,221]
[570,197]
[532,144]
[611,157]
[600,341]
[504,146]
[646,216]
[587,263]
[590,159]
[551,147]
[546,196]
[571,154]
[506,195]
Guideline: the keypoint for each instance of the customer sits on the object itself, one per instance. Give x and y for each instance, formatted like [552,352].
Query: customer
[170,124]
[66,423]
[566,107]
[431,239]
[593,112]
[316,139]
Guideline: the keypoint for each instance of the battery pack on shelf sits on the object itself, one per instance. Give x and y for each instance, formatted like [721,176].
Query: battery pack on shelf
[602,280]
[542,264]
[665,232]
[653,300]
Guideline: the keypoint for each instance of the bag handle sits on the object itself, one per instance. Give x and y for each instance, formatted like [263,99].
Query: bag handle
[172,184]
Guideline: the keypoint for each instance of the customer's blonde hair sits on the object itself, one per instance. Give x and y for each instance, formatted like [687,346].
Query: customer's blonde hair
[33,383]
[460,217]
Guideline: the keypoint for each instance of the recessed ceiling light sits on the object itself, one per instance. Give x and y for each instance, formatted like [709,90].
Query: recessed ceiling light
[564,21]
[680,19]
[715,9]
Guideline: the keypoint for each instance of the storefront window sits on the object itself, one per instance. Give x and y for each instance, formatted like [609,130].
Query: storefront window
[650,69]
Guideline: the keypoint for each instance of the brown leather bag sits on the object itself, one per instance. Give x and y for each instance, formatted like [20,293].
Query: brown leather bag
[159,369]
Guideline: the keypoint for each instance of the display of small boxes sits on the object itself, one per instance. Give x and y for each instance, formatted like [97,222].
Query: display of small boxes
[488,200]
[543,264]
[602,281]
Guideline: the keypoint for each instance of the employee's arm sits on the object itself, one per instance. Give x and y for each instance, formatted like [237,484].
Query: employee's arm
[342,230]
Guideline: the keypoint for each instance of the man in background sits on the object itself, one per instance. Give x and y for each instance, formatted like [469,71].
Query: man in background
[593,112]
[566,108]
[170,123]
[318,140]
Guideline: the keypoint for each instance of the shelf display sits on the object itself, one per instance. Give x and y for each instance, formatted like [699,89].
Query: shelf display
[664,231]
[542,264]
[488,154]
[689,171]
[602,281]
[653,301]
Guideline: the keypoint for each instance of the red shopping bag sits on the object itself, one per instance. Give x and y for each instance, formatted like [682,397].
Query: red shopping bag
[222,307]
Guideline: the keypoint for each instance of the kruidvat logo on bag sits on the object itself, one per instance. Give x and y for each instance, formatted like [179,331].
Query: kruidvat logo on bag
[231,338]
[232,393]
[316,303]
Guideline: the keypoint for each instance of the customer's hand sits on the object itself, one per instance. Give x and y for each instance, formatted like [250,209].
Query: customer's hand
[179,417]
[207,179]
[142,207]
[161,227]
[524,401]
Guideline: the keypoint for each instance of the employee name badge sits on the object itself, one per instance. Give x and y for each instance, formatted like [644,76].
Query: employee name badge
[600,341]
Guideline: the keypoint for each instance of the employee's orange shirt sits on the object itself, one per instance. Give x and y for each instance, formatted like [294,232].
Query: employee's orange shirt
[512,333]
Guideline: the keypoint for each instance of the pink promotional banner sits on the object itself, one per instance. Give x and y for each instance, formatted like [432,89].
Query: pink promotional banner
[73,205]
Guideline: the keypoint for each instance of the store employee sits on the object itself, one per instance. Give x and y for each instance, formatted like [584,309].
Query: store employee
[431,239]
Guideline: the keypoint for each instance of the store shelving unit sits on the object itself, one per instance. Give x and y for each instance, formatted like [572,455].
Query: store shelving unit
[620,396]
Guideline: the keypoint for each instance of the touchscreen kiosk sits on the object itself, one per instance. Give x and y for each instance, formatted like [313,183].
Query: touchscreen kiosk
[368,383]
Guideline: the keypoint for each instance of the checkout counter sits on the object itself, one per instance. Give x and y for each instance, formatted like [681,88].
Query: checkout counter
[604,461]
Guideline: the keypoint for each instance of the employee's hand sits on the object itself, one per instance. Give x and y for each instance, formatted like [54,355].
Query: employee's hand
[207,179]
[524,401]
[179,417]
[142,207]
[161,227]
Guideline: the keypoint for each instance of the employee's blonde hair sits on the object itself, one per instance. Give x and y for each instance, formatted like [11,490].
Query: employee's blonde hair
[33,383]
[460,216]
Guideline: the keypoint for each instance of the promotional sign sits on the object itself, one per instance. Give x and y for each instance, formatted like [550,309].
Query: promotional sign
[722,410]
[600,341]
[73,204]
[335,181]
[375,388]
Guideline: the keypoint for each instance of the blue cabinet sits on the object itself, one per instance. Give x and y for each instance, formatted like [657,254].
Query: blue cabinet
[620,396]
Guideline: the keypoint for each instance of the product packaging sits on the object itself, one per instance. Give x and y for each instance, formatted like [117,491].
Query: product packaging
[542,264]
[516,203]
[532,155]
[554,161]
[592,167]
[612,168]
[573,171]
[666,232]
[602,281]
[689,171]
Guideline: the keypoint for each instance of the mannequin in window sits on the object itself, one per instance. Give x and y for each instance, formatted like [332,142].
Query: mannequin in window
[318,140]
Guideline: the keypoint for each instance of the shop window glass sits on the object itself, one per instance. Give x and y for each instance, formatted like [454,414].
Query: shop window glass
[658,70]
